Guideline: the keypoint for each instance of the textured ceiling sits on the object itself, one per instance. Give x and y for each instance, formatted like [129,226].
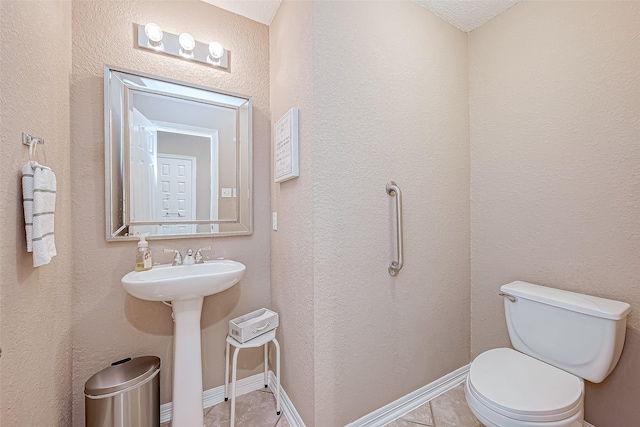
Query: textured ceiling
[467,14]
[464,14]
[259,10]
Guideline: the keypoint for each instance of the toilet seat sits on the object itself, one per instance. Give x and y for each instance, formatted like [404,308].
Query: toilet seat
[520,387]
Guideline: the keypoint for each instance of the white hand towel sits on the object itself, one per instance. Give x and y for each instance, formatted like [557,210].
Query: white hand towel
[27,201]
[41,181]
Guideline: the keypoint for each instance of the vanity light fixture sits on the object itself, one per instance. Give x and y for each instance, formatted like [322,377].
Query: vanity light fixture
[183,46]
[187,44]
[154,34]
[216,51]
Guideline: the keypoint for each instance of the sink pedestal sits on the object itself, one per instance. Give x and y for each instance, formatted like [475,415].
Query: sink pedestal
[185,286]
[187,364]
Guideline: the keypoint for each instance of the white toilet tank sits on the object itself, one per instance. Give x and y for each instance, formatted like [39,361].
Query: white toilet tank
[578,333]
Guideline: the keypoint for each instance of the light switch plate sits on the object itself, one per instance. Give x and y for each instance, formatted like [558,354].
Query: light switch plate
[226,192]
[274,221]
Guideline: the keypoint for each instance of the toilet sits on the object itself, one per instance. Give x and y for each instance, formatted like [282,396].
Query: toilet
[560,339]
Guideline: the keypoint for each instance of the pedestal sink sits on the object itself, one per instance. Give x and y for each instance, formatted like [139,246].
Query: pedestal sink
[185,286]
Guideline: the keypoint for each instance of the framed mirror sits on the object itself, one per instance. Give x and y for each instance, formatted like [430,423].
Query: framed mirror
[178,158]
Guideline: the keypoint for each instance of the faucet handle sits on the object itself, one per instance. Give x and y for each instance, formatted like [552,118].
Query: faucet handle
[177,260]
[199,259]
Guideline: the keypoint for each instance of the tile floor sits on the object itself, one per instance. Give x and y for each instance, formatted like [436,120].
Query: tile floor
[447,410]
[257,409]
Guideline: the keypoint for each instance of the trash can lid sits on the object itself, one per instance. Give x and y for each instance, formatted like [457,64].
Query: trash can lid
[122,376]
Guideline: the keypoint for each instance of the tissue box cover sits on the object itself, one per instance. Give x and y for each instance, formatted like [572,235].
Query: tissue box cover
[254,324]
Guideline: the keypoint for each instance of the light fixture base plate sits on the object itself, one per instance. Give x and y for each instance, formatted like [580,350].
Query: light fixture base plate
[170,45]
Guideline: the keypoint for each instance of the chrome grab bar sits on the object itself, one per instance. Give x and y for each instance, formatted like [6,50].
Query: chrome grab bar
[396,266]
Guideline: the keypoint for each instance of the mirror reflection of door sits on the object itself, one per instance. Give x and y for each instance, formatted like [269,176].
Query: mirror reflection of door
[177,190]
[143,172]
[202,146]
[172,178]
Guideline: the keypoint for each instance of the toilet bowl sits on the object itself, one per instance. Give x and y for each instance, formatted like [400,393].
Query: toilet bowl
[560,339]
[506,388]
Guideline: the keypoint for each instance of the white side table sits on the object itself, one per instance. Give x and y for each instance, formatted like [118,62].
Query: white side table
[261,340]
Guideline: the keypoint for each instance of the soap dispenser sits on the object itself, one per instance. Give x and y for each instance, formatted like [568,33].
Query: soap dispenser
[143,255]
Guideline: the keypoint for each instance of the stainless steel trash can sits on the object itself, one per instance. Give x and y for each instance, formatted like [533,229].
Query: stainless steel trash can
[126,394]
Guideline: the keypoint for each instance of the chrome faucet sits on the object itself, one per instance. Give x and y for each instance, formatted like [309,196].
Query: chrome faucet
[190,258]
[177,260]
[199,259]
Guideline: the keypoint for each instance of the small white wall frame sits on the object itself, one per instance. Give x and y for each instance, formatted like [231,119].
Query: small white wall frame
[285,147]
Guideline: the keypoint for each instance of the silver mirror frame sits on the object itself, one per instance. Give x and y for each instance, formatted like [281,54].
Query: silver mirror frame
[115,202]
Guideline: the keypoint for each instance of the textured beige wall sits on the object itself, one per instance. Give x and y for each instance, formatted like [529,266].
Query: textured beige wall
[555,171]
[349,328]
[35,304]
[292,272]
[554,193]
[390,103]
[108,324]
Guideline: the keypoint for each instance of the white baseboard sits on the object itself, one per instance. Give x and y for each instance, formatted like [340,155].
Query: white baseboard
[394,410]
[378,418]
[288,410]
[255,382]
[215,395]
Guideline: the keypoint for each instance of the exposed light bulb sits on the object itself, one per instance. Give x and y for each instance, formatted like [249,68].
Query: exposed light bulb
[153,32]
[216,50]
[187,42]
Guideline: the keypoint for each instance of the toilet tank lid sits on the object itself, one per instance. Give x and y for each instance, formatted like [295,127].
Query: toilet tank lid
[586,304]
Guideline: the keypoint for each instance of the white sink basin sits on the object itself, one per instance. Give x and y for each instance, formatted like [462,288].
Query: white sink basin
[185,286]
[183,282]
